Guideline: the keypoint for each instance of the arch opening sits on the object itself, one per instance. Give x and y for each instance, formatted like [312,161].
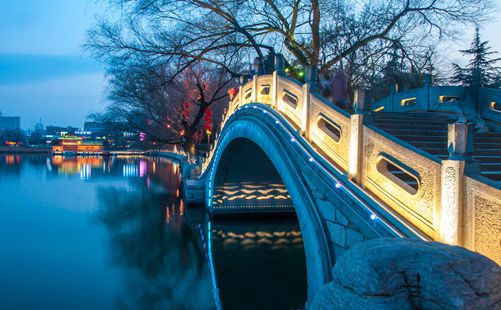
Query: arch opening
[247,182]
[267,141]
[259,253]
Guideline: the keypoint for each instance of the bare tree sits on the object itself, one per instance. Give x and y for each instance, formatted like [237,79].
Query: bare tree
[170,111]
[153,48]
[316,32]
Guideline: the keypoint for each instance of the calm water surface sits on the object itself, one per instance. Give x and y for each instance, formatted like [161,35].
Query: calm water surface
[113,233]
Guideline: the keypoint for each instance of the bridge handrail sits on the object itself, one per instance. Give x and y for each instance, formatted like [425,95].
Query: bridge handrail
[365,153]
[336,176]
[444,98]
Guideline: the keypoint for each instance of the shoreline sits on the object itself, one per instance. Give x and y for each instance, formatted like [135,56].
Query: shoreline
[24,150]
[48,151]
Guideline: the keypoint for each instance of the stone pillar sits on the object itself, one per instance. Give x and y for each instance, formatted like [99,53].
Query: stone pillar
[428,80]
[460,147]
[254,88]
[428,83]
[356,136]
[243,79]
[311,77]
[231,106]
[280,64]
[274,90]
[355,151]
[393,91]
[257,64]
[460,141]
[306,110]
[452,202]
[359,103]
[240,97]
[311,85]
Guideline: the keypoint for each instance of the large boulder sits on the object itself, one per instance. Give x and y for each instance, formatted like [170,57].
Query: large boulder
[393,273]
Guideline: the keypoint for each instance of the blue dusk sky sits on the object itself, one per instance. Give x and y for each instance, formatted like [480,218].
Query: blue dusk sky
[44,73]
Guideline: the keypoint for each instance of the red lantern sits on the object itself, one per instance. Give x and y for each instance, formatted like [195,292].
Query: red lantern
[186,113]
[232,92]
[208,120]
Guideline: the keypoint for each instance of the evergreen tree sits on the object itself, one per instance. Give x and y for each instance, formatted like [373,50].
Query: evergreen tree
[480,63]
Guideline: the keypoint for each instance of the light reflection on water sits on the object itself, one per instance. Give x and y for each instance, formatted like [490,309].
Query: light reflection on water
[113,233]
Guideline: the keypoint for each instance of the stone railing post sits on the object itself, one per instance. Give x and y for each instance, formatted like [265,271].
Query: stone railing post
[279,71]
[460,147]
[243,80]
[240,97]
[279,64]
[258,65]
[254,88]
[306,112]
[274,90]
[428,83]
[311,85]
[356,136]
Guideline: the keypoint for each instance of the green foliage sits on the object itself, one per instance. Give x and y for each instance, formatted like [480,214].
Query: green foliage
[481,68]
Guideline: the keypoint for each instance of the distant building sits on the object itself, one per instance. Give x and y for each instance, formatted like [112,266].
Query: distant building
[11,123]
[39,128]
[75,145]
[58,131]
[95,128]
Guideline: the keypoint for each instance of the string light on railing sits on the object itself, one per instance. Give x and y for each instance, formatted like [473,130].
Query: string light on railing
[277,122]
[373,217]
[338,185]
[293,140]
[311,159]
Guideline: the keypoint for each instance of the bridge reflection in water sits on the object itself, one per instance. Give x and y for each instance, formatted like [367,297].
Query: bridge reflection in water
[258,265]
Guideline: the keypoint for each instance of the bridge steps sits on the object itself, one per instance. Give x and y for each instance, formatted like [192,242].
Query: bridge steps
[428,132]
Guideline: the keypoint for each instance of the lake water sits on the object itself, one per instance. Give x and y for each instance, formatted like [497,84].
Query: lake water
[114,233]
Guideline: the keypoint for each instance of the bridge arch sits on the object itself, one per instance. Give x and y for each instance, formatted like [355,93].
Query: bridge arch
[259,136]
[333,213]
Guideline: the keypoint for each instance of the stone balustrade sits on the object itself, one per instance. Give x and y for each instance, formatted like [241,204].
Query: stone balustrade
[486,101]
[444,203]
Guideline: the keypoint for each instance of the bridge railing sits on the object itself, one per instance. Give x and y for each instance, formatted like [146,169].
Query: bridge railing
[481,218]
[490,103]
[439,197]
[386,166]
[428,98]
[444,98]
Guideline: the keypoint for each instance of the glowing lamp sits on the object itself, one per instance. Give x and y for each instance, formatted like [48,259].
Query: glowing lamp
[232,92]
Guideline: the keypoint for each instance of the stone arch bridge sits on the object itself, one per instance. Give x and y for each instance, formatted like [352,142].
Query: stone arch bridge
[347,178]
